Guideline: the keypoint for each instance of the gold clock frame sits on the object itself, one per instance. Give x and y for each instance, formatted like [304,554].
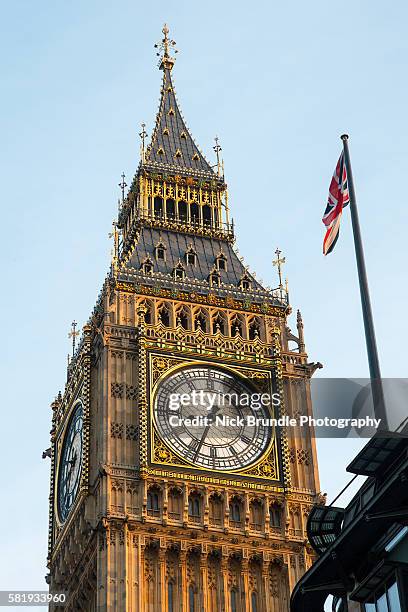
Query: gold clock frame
[267,467]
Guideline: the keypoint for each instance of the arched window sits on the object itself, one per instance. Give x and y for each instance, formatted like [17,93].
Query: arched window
[253,331]
[207,217]
[245,283]
[221,262]
[147,266]
[254,604]
[153,498]
[234,601]
[175,504]
[158,206]
[256,515]
[160,251]
[275,515]
[236,512]
[194,508]
[170,597]
[164,316]
[148,314]
[218,325]
[216,510]
[200,321]
[214,278]
[236,327]
[194,213]
[182,318]
[191,606]
[182,211]
[170,208]
[191,256]
[179,272]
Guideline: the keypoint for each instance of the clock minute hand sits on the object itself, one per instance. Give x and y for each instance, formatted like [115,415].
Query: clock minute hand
[213,412]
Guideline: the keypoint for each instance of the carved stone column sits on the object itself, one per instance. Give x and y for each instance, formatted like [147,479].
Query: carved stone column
[206,509]
[183,579]
[224,572]
[245,581]
[226,512]
[247,512]
[265,583]
[165,503]
[162,577]
[185,505]
[203,596]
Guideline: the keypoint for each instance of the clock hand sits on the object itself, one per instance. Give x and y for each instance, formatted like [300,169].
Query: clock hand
[213,412]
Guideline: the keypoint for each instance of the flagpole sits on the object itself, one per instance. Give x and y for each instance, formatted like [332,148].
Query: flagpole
[372,353]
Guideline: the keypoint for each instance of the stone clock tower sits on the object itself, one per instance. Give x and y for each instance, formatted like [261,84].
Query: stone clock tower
[146,514]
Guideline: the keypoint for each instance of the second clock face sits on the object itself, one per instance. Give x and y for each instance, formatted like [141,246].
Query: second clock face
[70,466]
[208,423]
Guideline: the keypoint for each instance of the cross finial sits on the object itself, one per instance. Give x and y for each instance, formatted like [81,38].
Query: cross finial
[122,186]
[279,263]
[164,47]
[217,148]
[73,334]
[143,135]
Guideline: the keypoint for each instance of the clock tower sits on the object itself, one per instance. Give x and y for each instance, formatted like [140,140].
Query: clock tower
[168,491]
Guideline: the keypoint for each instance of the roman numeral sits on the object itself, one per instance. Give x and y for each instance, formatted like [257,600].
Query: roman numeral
[193,444]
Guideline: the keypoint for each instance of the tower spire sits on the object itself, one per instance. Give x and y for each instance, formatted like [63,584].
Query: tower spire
[172,148]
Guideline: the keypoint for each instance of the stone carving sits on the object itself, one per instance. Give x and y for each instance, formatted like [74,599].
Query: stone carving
[116,430]
[117,390]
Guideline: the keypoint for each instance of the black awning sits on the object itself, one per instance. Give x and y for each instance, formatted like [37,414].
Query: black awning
[377,455]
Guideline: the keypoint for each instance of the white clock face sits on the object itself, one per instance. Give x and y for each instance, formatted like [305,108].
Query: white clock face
[70,465]
[215,438]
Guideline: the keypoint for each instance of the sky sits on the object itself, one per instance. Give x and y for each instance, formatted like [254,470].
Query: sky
[278,83]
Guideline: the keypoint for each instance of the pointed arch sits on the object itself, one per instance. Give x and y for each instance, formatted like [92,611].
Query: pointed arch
[201,320]
[183,316]
[219,323]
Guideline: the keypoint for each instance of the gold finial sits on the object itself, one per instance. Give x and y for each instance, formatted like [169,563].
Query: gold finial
[115,251]
[165,46]
[217,148]
[123,186]
[279,263]
[143,135]
[73,334]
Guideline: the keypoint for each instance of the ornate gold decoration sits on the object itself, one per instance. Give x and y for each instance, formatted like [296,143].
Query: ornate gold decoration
[212,299]
[267,468]
[162,454]
[160,365]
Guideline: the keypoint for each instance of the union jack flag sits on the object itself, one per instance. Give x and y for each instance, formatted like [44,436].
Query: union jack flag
[338,198]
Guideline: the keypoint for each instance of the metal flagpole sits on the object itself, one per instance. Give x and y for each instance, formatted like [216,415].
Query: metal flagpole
[373,362]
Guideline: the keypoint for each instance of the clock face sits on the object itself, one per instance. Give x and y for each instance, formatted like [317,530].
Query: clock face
[70,466]
[208,425]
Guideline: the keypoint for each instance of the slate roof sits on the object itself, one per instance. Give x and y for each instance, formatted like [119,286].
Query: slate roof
[177,244]
[196,276]
[172,147]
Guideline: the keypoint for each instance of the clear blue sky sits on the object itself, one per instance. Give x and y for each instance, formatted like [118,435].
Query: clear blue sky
[278,82]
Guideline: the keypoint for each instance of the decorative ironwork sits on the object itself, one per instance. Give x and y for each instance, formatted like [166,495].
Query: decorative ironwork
[74,335]
[165,47]
[278,262]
